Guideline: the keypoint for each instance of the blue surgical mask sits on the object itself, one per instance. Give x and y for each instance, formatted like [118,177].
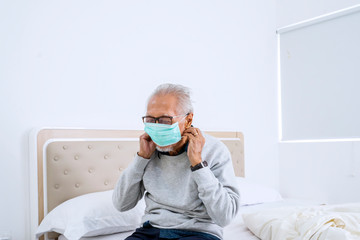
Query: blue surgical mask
[163,134]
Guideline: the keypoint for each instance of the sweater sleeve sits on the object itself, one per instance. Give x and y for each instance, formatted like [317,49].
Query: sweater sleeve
[129,189]
[217,189]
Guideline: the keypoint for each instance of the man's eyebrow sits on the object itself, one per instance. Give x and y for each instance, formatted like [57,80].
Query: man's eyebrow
[158,116]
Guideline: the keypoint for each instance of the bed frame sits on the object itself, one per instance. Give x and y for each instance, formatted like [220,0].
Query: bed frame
[66,163]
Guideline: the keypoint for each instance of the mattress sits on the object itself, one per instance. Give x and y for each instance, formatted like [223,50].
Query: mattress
[234,231]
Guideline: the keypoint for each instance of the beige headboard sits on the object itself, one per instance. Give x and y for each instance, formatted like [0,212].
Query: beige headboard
[72,162]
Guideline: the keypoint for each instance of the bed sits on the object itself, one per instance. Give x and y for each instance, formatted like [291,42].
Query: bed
[73,172]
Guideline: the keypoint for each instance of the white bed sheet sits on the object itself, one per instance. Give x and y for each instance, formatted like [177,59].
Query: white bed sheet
[237,230]
[117,236]
[234,231]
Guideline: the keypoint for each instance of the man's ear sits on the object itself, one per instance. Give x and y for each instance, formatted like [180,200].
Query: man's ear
[189,119]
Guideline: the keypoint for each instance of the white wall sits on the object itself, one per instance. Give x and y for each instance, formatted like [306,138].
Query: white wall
[321,171]
[289,12]
[93,63]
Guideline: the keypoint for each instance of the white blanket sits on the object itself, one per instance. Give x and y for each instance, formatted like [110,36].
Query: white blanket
[327,222]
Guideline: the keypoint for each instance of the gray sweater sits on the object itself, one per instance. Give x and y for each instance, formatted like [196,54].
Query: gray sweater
[177,198]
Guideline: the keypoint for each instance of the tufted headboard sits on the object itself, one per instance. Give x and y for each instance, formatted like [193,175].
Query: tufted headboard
[66,163]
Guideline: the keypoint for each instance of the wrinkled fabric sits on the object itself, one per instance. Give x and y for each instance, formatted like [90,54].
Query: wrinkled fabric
[329,222]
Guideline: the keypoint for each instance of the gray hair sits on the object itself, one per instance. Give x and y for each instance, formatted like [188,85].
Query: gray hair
[182,93]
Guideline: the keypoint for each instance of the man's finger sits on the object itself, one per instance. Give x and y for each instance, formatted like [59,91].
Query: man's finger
[188,130]
[198,131]
[146,136]
[184,138]
[192,138]
[192,131]
[188,135]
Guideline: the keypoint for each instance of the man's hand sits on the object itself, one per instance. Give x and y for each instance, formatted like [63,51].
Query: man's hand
[147,146]
[196,144]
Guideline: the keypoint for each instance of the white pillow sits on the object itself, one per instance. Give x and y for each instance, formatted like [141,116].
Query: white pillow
[91,214]
[252,193]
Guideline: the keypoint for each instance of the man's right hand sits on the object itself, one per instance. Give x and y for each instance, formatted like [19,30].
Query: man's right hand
[147,146]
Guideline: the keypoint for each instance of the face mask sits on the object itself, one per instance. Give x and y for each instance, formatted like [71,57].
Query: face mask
[163,134]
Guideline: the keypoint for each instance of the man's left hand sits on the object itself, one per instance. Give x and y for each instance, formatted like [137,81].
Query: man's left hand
[196,144]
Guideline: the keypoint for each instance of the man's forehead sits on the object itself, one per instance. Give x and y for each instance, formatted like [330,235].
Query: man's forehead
[162,105]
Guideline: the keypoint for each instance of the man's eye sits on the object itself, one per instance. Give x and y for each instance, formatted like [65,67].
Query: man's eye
[149,120]
[164,121]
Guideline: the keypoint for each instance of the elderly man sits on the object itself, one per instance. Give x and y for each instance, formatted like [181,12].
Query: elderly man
[186,176]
